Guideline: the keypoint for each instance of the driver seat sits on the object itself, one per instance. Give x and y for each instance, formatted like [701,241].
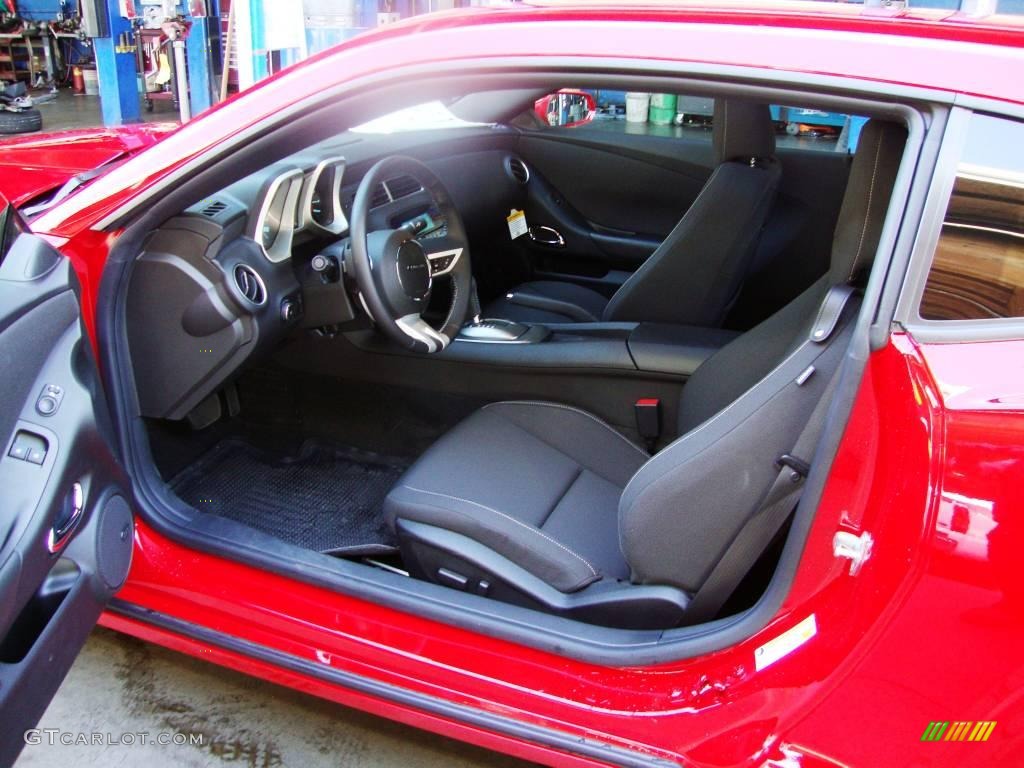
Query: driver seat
[545,505]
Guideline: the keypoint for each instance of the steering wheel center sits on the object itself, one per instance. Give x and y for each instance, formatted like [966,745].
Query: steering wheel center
[413,270]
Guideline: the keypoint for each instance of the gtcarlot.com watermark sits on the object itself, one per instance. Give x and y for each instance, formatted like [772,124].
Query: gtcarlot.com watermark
[56,737]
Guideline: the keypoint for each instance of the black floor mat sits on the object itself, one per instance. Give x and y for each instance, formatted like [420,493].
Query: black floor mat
[323,498]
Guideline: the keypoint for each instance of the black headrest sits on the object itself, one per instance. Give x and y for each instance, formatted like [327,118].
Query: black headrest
[742,130]
[866,200]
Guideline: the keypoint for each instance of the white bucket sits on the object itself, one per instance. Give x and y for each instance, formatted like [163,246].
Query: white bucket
[637,105]
[92,82]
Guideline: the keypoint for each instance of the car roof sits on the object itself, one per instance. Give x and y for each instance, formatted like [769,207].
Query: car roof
[865,51]
[894,19]
[828,8]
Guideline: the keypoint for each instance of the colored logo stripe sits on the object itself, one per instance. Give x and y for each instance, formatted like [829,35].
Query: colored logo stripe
[983,730]
[961,730]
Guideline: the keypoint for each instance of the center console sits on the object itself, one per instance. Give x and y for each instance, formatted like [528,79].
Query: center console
[604,368]
[498,331]
[675,350]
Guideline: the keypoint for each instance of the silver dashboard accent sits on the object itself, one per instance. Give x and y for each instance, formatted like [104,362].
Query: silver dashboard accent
[249,284]
[58,537]
[281,248]
[415,327]
[456,253]
[545,235]
[339,222]
[511,164]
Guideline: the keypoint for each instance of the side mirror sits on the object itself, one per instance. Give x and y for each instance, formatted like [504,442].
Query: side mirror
[567,108]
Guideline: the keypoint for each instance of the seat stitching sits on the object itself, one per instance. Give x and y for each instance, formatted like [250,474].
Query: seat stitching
[592,417]
[508,517]
[867,211]
[561,497]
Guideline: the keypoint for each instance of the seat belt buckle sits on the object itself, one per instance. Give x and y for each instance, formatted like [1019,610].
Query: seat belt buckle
[799,467]
[648,418]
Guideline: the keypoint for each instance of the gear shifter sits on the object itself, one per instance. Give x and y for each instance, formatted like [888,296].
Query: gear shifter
[493,329]
[496,330]
[474,303]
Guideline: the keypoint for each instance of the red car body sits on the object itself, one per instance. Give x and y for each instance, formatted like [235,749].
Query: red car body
[35,165]
[924,632]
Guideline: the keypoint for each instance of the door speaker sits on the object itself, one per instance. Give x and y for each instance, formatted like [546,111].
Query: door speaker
[116,540]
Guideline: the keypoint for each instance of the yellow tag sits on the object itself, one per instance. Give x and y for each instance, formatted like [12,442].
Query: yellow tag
[516,223]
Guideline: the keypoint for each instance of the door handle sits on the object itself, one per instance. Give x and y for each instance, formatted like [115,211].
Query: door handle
[62,530]
[543,235]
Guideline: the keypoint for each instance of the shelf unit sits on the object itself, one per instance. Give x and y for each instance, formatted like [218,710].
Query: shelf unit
[7,71]
[22,57]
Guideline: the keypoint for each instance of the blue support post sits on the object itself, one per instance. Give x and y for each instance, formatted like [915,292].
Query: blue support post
[260,67]
[200,70]
[119,88]
[366,13]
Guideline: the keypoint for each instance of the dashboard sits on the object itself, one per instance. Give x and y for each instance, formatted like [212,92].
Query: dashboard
[230,277]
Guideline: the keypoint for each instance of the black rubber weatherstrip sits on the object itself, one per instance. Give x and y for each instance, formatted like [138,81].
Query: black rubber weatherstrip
[529,732]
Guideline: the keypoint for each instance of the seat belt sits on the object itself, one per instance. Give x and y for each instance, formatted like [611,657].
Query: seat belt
[760,530]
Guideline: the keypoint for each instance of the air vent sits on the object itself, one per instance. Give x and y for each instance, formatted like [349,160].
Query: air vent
[517,170]
[380,196]
[402,186]
[250,285]
[213,209]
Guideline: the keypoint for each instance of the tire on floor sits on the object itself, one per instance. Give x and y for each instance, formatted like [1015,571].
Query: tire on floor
[25,121]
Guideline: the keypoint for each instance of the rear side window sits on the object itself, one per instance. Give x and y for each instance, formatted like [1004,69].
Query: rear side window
[977,271]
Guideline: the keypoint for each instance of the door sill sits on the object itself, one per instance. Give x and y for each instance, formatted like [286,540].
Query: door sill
[529,732]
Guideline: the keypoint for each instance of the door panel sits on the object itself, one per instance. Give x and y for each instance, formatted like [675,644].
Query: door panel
[65,525]
[613,197]
[635,184]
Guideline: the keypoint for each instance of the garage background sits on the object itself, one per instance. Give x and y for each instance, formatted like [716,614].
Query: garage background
[132,60]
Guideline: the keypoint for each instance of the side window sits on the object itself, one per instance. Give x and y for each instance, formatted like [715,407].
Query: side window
[977,270]
[669,115]
[815,130]
[675,115]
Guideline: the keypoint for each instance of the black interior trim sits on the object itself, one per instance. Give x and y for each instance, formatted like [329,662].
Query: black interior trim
[535,734]
[593,644]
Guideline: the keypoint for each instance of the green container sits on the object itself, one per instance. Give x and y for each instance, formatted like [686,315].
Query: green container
[663,108]
[664,101]
[661,115]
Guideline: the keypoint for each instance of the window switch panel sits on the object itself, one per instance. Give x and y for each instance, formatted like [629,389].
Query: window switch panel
[28,447]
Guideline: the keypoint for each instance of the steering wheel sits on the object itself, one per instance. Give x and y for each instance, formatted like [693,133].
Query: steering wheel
[395,270]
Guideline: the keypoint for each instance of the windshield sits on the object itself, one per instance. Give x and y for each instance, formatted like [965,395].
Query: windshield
[432,115]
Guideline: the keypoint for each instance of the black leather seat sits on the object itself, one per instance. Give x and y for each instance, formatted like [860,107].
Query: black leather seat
[695,274]
[544,504]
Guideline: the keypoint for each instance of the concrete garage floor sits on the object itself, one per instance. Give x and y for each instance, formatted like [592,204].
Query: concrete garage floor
[73,111]
[122,685]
